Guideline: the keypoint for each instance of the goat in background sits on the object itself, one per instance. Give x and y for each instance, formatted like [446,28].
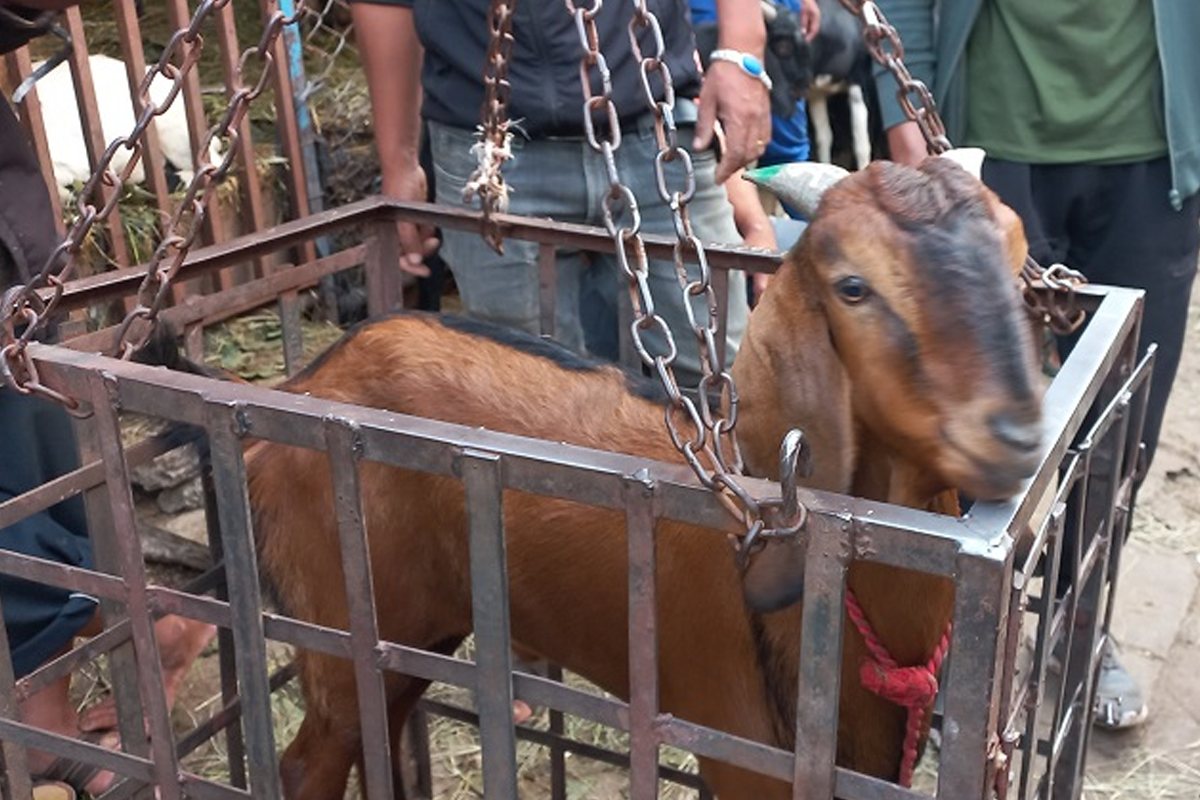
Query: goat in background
[64,132]
[840,64]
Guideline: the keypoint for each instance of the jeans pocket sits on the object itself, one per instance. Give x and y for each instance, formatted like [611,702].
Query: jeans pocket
[453,160]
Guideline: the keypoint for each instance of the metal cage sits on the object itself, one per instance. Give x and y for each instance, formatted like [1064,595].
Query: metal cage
[1016,690]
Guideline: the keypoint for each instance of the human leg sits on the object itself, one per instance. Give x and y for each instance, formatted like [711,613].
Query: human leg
[1114,224]
[1129,235]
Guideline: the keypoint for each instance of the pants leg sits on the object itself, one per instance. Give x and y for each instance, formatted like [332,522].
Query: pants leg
[38,446]
[505,289]
[1114,224]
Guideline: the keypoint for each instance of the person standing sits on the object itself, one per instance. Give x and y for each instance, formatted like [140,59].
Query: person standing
[1090,117]
[425,58]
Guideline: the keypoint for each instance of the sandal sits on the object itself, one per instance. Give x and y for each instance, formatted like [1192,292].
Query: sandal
[53,790]
[68,774]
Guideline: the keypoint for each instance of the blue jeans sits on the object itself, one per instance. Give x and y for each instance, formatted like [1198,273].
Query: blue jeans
[564,179]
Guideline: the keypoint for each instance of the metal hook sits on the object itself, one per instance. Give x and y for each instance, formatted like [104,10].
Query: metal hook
[795,460]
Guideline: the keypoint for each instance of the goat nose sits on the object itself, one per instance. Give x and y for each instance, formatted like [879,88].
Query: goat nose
[1020,431]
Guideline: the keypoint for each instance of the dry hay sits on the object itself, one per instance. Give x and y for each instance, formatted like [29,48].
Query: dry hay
[456,754]
[1148,775]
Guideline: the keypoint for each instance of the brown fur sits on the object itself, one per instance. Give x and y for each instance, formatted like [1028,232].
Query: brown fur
[809,360]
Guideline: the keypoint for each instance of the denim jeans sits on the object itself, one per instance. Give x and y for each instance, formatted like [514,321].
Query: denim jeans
[563,178]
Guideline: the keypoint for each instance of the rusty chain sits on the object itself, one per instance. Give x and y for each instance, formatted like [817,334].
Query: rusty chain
[493,147]
[1057,308]
[22,305]
[704,437]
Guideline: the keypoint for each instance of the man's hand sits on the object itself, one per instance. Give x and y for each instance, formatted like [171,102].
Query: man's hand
[743,106]
[392,57]
[907,144]
[417,242]
[730,95]
[810,19]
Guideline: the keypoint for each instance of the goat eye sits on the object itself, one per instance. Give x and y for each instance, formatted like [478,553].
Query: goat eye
[853,289]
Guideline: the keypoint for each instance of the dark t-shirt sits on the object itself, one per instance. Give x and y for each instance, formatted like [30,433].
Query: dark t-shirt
[546,95]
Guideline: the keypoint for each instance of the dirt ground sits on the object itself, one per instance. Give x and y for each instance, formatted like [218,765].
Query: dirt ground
[1157,617]
[1157,623]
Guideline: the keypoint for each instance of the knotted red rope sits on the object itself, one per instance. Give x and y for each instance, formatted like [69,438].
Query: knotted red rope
[914,688]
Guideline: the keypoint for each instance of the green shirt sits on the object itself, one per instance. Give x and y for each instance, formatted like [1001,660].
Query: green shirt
[1031,101]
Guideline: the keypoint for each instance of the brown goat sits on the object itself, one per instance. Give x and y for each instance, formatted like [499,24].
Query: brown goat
[891,335]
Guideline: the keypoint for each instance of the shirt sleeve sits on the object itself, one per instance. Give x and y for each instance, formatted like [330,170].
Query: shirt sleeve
[914,22]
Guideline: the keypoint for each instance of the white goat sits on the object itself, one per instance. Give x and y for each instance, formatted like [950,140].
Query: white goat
[840,64]
[64,133]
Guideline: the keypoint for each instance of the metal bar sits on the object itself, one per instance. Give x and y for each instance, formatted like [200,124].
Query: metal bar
[17,782]
[378,209]
[552,469]
[233,503]
[344,449]
[74,749]
[235,743]
[827,546]
[303,188]
[251,215]
[720,286]
[643,638]
[55,573]
[384,290]
[976,658]
[72,483]
[550,740]
[213,229]
[722,746]
[155,165]
[293,334]
[62,666]
[493,640]
[103,532]
[127,552]
[210,309]
[856,786]
[558,730]
[93,132]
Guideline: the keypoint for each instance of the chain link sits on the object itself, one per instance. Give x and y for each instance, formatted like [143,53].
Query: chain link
[493,147]
[22,305]
[706,439]
[1049,297]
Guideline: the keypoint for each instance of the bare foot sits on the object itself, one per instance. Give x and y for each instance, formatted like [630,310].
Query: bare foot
[180,642]
[51,710]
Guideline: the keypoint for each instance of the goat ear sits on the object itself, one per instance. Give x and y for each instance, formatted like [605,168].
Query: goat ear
[799,184]
[969,158]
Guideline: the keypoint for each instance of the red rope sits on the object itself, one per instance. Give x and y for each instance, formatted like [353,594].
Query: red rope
[914,688]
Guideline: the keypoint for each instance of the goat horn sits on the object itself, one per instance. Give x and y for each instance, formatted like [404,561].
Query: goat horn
[969,158]
[800,184]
